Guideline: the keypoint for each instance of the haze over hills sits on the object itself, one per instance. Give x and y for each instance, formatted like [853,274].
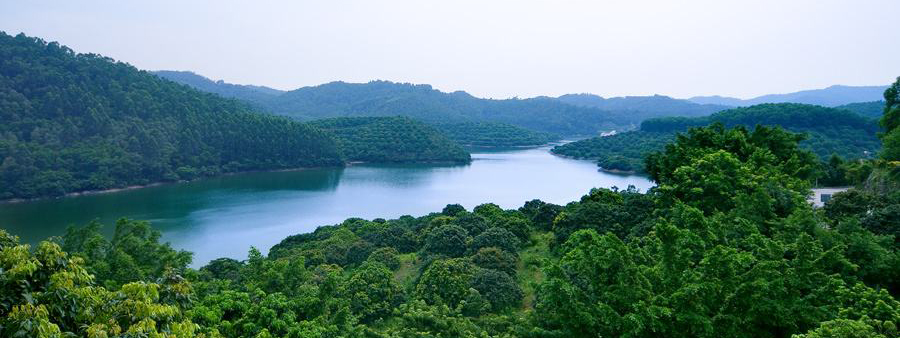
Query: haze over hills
[829,97]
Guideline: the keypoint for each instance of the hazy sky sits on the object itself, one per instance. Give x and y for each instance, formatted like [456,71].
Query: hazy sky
[491,48]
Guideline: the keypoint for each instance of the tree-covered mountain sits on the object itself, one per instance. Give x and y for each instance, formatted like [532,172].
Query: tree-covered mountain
[832,96]
[873,109]
[829,131]
[639,108]
[391,140]
[77,122]
[247,93]
[464,118]
[725,246]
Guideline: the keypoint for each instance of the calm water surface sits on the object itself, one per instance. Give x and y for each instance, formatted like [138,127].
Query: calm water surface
[223,217]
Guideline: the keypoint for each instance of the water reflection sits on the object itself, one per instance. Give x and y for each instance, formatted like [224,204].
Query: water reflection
[224,216]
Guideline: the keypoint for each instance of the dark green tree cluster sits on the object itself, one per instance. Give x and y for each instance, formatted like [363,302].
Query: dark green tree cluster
[391,140]
[725,246]
[77,122]
[733,251]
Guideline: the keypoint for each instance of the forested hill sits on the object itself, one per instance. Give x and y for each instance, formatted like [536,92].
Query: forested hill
[392,139]
[829,130]
[247,93]
[829,97]
[76,122]
[456,117]
[639,108]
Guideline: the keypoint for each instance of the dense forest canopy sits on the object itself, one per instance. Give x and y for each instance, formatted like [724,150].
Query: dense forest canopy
[391,140]
[829,131]
[725,246]
[76,122]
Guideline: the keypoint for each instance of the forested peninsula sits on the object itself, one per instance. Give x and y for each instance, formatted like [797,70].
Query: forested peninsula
[828,131]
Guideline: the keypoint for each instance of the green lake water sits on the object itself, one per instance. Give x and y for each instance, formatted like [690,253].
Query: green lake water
[223,217]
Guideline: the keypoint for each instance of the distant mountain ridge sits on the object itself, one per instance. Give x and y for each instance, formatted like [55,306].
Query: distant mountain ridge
[575,114]
[829,97]
[566,115]
[645,106]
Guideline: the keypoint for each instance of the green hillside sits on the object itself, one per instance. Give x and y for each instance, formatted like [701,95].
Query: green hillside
[391,139]
[829,131]
[78,122]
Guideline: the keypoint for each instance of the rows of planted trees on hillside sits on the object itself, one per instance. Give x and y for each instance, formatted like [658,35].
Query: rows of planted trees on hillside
[492,134]
[391,139]
[725,246]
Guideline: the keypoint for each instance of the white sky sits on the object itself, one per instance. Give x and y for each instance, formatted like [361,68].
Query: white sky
[492,48]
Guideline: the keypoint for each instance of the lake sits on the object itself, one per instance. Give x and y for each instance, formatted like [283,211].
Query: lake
[224,216]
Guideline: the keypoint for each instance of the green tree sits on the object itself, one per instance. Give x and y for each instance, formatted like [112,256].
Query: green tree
[498,288]
[446,282]
[372,291]
[449,240]
[496,237]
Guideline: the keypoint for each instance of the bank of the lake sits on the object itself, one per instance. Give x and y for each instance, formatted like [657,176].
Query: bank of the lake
[224,216]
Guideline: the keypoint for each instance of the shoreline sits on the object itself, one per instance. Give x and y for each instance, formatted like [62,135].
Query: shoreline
[150,185]
[155,184]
